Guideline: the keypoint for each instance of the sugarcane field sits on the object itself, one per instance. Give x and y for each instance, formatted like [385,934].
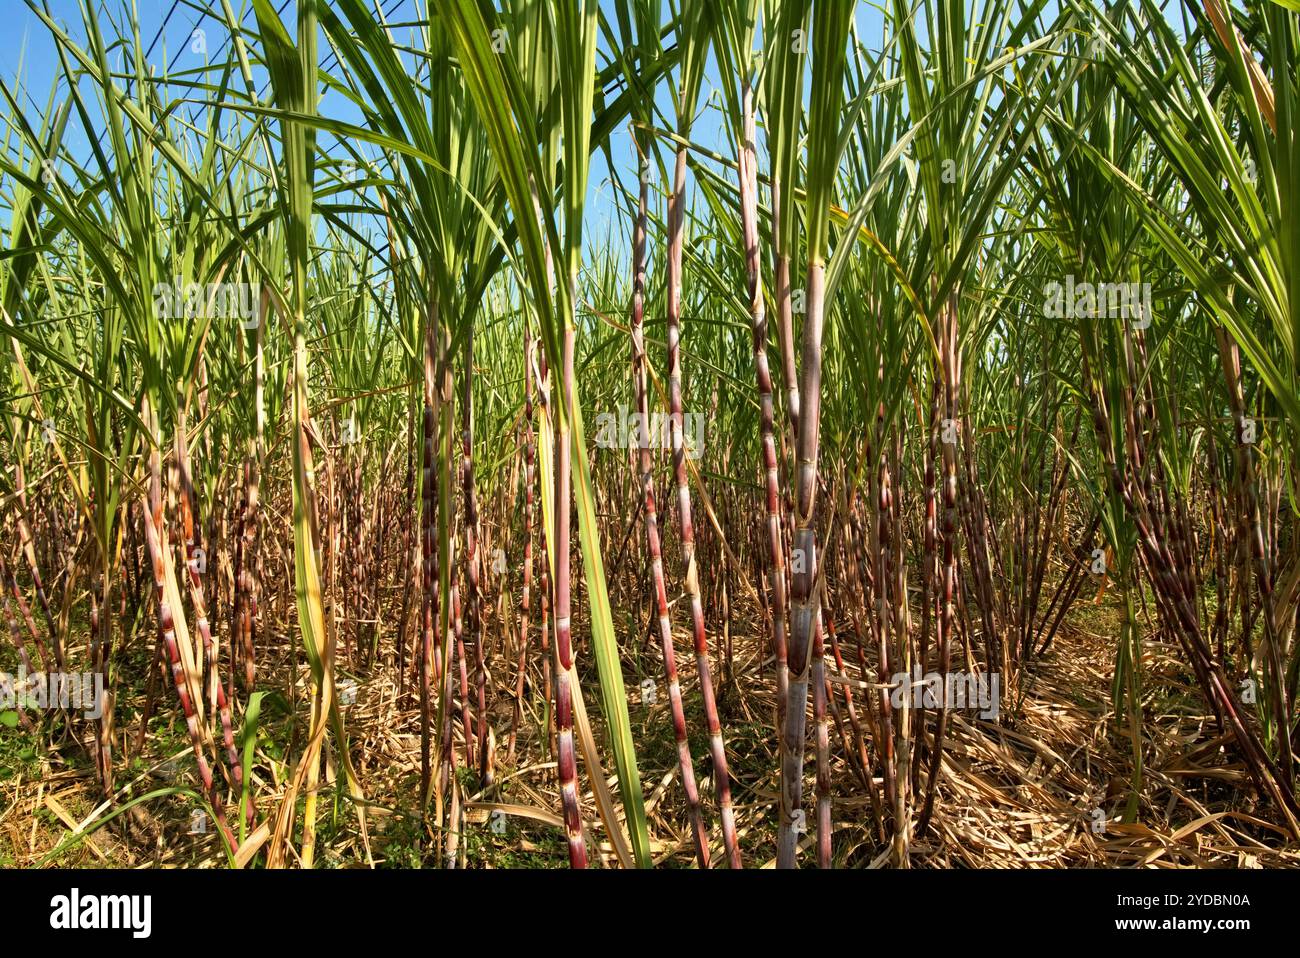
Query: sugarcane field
[631,434]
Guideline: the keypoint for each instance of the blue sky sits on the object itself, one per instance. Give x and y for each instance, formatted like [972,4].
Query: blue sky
[167,30]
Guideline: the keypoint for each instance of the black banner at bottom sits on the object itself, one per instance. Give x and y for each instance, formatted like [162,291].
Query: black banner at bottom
[332,908]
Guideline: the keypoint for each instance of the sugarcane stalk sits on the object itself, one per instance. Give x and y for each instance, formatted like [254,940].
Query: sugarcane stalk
[428,648]
[193,551]
[804,602]
[568,769]
[717,749]
[644,467]
[525,595]
[473,560]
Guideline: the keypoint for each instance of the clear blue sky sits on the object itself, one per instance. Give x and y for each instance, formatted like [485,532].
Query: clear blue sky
[167,28]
